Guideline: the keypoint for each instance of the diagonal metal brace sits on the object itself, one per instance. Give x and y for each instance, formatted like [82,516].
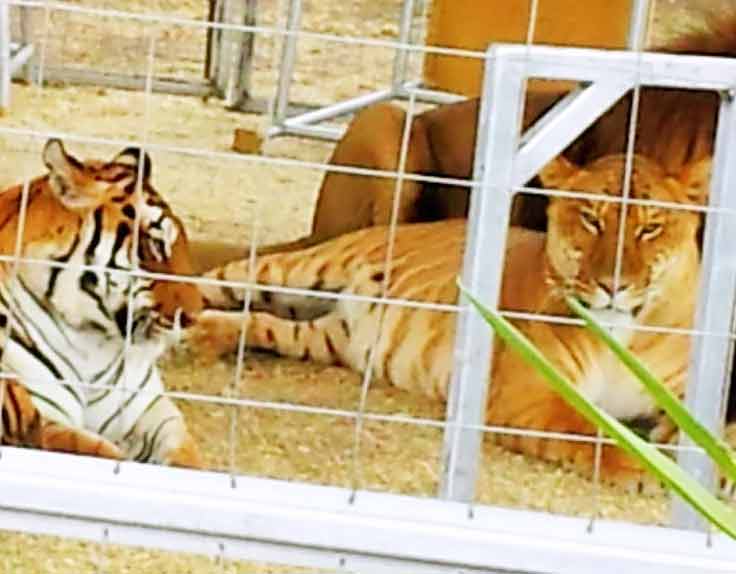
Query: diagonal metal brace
[567,120]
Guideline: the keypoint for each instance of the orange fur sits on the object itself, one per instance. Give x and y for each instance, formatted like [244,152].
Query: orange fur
[24,426]
[675,128]
[415,346]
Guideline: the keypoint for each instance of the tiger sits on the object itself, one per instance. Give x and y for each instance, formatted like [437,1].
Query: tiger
[414,349]
[79,334]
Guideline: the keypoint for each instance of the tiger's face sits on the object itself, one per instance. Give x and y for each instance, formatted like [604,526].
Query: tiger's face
[92,214]
[658,244]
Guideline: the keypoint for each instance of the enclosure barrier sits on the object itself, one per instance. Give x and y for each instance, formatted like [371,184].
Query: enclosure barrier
[229,54]
[227,70]
[241,517]
[502,169]
[234,516]
[227,60]
[306,123]
[320,527]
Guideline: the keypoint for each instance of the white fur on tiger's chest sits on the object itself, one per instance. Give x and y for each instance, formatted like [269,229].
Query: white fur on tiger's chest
[608,382]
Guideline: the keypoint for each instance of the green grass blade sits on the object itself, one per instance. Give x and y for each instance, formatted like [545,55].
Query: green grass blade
[662,466]
[715,447]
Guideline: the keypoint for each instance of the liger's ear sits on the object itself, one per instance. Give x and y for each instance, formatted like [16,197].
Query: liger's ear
[131,156]
[67,179]
[557,172]
[695,179]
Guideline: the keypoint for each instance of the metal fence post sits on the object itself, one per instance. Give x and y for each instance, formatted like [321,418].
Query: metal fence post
[711,356]
[4,55]
[501,165]
[286,68]
[230,52]
[498,131]
[641,12]
[401,59]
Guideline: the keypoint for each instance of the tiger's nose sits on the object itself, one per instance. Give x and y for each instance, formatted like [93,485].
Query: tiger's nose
[187,320]
[607,284]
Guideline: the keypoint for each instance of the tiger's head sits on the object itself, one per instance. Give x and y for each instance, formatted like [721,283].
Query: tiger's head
[89,213]
[659,248]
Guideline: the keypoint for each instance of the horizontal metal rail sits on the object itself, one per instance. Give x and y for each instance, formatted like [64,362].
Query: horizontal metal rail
[319,526]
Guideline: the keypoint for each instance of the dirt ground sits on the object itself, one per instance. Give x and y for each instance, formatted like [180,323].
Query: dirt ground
[240,192]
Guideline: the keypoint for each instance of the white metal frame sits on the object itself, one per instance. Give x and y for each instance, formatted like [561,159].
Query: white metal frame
[712,357]
[277,521]
[14,56]
[502,166]
[306,123]
[324,527]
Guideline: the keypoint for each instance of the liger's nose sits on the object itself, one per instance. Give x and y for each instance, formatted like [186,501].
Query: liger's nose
[608,285]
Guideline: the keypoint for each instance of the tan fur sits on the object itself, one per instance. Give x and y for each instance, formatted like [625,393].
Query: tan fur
[675,128]
[414,349]
[441,143]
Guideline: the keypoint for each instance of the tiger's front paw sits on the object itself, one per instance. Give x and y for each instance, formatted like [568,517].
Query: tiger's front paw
[186,455]
[215,333]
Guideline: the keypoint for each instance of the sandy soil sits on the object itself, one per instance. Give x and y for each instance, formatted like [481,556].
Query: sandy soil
[240,192]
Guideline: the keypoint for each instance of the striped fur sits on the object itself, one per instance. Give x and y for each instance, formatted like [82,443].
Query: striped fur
[23,425]
[63,329]
[415,346]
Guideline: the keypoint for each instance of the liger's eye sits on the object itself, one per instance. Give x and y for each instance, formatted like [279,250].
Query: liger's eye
[591,222]
[649,231]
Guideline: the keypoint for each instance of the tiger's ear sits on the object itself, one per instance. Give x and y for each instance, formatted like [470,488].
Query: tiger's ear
[131,156]
[56,159]
[695,179]
[72,187]
[557,172]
